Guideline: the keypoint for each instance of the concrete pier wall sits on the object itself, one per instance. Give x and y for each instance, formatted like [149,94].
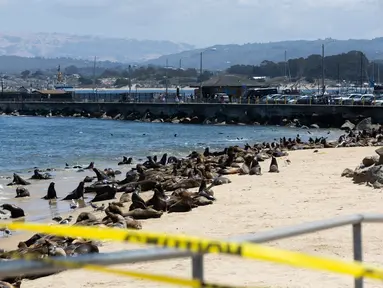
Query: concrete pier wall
[272,114]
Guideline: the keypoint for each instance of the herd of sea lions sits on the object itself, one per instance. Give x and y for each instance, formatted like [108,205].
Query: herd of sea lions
[167,181]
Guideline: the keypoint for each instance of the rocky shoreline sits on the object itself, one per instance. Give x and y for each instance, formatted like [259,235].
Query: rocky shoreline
[313,122]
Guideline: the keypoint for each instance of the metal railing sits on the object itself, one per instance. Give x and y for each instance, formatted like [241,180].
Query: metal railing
[18,267]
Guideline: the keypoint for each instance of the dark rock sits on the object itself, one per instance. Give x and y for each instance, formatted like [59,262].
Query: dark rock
[347,125]
[365,124]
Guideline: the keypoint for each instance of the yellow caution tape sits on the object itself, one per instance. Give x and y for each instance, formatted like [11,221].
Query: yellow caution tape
[126,273]
[199,245]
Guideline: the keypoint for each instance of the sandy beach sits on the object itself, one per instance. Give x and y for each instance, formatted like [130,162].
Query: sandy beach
[308,189]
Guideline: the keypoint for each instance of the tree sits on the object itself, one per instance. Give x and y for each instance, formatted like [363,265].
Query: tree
[25,74]
[70,70]
[121,82]
[85,81]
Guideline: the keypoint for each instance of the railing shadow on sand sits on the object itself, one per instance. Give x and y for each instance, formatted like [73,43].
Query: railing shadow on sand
[23,267]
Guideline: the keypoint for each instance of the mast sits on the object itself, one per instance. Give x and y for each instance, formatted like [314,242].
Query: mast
[94,72]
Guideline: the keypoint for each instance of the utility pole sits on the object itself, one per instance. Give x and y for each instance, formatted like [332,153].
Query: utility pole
[285,64]
[323,86]
[94,72]
[180,63]
[130,79]
[200,75]
[361,71]
[339,85]
[378,73]
[166,78]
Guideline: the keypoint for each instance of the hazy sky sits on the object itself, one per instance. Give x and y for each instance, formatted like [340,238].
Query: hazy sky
[198,22]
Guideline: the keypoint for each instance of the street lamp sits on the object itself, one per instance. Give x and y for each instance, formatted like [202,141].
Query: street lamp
[200,68]
[323,46]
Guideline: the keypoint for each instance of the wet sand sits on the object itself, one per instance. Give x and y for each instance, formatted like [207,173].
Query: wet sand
[308,189]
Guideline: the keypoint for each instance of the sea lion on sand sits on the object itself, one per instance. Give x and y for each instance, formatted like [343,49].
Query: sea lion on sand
[204,192]
[107,193]
[4,284]
[88,179]
[51,194]
[131,176]
[220,181]
[90,166]
[16,212]
[101,176]
[110,172]
[137,202]
[76,193]
[142,214]
[255,168]
[86,216]
[246,166]
[22,192]
[158,201]
[125,198]
[38,176]
[17,180]
[273,165]
[126,161]
[146,185]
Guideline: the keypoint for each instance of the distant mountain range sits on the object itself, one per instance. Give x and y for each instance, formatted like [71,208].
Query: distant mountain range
[65,50]
[220,57]
[52,45]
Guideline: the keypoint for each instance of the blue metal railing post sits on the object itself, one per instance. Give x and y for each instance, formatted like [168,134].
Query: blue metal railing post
[357,247]
[197,267]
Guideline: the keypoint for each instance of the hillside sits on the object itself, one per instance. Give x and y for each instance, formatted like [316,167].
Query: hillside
[53,45]
[225,56]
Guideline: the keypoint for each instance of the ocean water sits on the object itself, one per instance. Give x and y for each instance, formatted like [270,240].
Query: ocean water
[28,142]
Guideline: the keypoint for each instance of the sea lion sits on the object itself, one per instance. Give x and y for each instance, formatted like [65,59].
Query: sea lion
[158,201]
[17,180]
[220,181]
[142,214]
[85,216]
[204,192]
[146,185]
[16,212]
[101,176]
[88,179]
[131,176]
[107,193]
[51,193]
[137,202]
[90,166]
[22,192]
[4,284]
[110,172]
[273,165]
[126,161]
[38,176]
[246,166]
[255,168]
[125,198]
[76,193]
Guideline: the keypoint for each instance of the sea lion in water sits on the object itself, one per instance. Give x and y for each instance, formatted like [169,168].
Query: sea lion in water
[76,193]
[51,193]
[255,168]
[126,161]
[38,176]
[273,165]
[22,192]
[17,180]
[16,212]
